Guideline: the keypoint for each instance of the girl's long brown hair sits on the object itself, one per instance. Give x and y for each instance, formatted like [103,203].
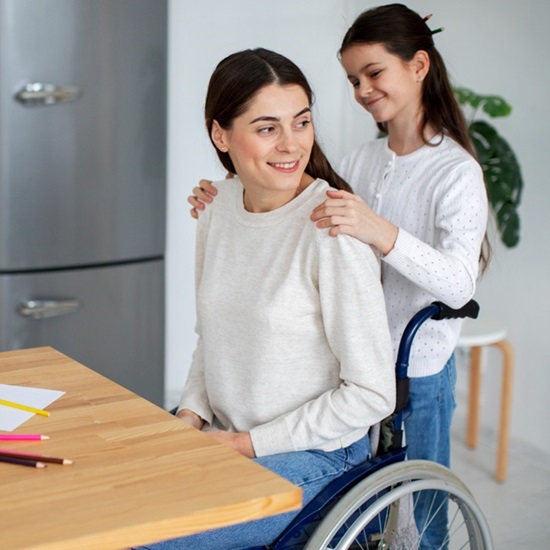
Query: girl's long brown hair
[403,33]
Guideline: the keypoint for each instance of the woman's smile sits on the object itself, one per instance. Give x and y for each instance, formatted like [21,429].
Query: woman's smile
[288,167]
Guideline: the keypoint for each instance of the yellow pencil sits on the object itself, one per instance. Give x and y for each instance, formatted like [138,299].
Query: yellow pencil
[24,407]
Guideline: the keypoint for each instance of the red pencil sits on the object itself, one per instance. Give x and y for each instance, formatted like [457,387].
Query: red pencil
[7,453]
[22,462]
[22,437]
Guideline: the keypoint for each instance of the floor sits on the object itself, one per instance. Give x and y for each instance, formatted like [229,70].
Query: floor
[517,510]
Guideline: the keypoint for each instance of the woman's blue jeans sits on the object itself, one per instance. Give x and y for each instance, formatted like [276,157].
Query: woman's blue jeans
[428,434]
[310,470]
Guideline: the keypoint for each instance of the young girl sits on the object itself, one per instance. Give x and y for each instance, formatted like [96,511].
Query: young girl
[288,370]
[420,202]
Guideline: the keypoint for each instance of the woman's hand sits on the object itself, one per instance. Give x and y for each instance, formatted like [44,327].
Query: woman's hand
[191,418]
[202,194]
[346,213]
[240,442]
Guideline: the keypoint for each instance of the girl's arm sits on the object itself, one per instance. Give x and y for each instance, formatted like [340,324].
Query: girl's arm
[447,267]
[446,263]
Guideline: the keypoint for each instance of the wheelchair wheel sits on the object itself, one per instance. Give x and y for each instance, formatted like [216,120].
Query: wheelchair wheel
[379,513]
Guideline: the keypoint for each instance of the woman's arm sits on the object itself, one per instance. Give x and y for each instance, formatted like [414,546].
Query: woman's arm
[194,399]
[355,325]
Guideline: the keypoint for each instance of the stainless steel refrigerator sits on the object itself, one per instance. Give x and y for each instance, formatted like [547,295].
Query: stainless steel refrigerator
[83,183]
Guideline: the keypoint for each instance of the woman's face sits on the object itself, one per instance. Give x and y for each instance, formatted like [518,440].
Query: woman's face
[270,143]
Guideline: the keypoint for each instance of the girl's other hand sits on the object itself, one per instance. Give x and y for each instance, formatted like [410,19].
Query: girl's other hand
[203,194]
[346,213]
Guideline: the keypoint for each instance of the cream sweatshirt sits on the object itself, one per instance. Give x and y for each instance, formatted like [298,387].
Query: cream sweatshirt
[293,340]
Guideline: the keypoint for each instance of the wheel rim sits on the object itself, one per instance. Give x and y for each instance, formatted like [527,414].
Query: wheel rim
[470,534]
[382,490]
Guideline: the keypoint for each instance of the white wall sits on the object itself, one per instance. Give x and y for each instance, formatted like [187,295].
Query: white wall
[492,46]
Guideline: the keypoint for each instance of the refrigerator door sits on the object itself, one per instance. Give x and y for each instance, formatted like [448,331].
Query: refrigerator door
[110,319]
[82,132]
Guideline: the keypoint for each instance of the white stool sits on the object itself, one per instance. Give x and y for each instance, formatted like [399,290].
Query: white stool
[475,335]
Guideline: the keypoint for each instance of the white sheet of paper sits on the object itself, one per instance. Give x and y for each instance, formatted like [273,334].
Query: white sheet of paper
[38,398]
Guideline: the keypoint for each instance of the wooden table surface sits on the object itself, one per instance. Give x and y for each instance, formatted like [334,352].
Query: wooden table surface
[139,474]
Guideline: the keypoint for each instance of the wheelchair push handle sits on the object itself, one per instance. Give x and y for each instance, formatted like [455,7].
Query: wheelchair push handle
[471,310]
[436,311]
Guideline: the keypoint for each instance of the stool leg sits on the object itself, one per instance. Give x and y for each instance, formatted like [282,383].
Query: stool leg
[505,409]
[474,400]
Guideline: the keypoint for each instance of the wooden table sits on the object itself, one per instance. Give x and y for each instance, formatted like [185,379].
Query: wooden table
[139,474]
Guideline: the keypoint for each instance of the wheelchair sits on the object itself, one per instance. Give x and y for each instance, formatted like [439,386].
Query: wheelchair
[372,506]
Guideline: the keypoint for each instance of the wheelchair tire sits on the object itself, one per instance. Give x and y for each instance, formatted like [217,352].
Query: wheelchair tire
[378,513]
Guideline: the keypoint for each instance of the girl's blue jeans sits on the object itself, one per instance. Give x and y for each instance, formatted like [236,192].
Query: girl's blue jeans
[428,433]
[310,470]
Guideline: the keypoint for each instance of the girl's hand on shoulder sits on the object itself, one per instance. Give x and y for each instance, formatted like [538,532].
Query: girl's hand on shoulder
[348,214]
[240,442]
[202,195]
[343,213]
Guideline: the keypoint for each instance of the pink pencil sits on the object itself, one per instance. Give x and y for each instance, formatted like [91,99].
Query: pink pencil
[22,437]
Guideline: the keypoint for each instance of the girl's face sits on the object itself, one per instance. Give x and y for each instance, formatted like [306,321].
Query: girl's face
[389,88]
[270,143]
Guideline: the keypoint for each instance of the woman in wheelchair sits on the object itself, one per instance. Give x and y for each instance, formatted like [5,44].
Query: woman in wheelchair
[293,361]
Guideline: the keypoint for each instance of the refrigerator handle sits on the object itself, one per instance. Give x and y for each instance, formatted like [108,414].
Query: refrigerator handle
[36,94]
[40,309]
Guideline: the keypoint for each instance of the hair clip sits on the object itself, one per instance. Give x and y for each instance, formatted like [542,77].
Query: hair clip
[435,31]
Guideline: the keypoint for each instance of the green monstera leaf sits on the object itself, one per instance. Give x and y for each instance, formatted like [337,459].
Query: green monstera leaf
[503,178]
[494,105]
[498,161]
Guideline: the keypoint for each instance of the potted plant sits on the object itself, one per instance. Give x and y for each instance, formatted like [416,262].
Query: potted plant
[500,167]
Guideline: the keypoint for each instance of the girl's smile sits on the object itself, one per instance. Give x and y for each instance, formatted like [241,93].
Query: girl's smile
[389,88]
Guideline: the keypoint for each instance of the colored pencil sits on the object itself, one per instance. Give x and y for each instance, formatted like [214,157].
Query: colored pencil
[23,437]
[7,453]
[22,462]
[24,407]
